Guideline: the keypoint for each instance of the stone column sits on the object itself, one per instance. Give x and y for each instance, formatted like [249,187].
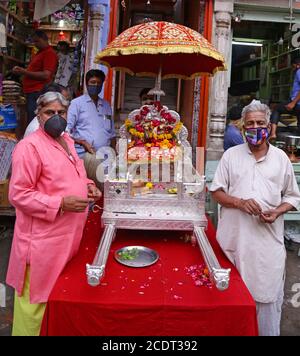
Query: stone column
[219,89]
[94,34]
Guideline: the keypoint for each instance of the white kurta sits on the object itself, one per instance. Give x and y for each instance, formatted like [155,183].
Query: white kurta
[257,249]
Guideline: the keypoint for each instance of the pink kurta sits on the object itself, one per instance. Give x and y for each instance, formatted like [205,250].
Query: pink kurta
[43,173]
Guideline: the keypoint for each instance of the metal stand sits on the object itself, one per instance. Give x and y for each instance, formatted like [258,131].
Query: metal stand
[95,272]
[219,276]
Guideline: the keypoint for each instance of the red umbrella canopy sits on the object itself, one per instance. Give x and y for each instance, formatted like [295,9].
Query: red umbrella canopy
[178,50]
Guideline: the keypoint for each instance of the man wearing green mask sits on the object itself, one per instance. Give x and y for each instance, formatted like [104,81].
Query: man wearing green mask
[255,185]
[90,117]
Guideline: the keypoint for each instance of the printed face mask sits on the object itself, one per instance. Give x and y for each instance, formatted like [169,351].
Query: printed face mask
[256,136]
[94,90]
[55,126]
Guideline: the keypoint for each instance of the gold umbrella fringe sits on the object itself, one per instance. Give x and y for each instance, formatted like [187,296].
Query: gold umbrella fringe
[167,76]
[111,52]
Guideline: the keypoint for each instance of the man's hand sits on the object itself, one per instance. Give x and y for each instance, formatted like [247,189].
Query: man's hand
[290,106]
[74,204]
[18,70]
[93,192]
[269,216]
[249,206]
[88,147]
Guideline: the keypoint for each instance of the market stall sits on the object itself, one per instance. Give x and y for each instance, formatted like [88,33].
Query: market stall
[17,23]
[171,297]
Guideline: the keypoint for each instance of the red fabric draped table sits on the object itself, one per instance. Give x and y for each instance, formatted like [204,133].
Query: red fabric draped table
[158,300]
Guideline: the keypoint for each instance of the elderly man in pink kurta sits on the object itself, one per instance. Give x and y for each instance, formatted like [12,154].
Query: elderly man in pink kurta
[50,192]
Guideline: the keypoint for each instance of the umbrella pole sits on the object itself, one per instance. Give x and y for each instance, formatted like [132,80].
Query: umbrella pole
[156,91]
[159,83]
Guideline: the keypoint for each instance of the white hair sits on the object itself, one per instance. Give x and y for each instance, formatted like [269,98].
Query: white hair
[255,106]
[50,97]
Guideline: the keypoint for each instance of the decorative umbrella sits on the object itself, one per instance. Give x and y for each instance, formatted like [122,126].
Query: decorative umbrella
[161,48]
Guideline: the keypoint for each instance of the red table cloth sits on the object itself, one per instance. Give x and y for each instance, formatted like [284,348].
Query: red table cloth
[159,300]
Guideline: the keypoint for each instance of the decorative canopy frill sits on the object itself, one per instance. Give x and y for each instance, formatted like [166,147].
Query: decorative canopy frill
[178,51]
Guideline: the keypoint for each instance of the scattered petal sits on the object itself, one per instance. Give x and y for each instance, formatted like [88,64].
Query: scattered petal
[177,297]
[200,275]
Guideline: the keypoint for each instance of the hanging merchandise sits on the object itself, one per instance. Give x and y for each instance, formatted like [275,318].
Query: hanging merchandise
[44,8]
[79,14]
[2,38]
[1,87]
[12,93]
[12,6]
[8,117]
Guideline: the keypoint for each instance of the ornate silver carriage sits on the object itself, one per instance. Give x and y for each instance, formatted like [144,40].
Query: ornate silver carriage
[154,203]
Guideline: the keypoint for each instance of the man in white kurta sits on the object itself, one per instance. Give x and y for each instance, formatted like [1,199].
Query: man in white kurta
[253,190]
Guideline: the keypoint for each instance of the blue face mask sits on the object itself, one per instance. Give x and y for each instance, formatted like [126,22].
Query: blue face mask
[94,90]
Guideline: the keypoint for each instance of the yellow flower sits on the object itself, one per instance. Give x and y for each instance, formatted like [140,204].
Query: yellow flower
[177,127]
[128,123]
[149,185]
[165,144]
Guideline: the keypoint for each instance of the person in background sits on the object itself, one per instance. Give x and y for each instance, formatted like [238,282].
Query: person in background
[90,117]
[40,71]
[145,98]
[293,105]
[90,123]
[255,186]
[233,135]
[65,64]
[34,124]
[50,192]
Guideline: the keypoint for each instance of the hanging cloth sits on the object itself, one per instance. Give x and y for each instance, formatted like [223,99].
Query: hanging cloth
[2,36]
[44,8]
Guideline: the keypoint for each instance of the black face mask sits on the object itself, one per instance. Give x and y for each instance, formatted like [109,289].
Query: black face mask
[55,126]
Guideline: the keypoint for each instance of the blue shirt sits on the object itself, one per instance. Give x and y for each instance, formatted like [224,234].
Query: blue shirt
[232,137]
[296,86]
[88,122]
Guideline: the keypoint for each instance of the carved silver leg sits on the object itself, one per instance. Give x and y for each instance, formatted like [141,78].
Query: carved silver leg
[95,272]
[219,276]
